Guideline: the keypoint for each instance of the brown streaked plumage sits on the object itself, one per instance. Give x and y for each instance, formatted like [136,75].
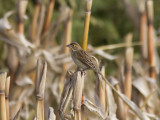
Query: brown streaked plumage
[82,59]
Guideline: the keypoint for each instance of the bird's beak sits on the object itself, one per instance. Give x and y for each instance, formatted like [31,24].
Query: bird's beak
[68,45]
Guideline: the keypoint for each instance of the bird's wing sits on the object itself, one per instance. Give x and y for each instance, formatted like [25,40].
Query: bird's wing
[83,57]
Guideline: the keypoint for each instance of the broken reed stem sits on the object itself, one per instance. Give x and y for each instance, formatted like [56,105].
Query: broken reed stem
[102,89]
[77,94]
[40,87]
[143,35]
[128,69]
[40,109]
[151,46]
[49,15]
[86,24]
[6,97]
[35,19]
[120,105]
[2,96]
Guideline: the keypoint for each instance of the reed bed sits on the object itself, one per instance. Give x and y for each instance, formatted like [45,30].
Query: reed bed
[44,83]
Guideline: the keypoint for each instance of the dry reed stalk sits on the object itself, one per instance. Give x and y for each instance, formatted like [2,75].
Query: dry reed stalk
[40,87]
[128,69]
[151,46]
[77,94]
[66,41]
[21,9]
[119,45]
[86,24]
[120,105]
[12,61]
[35,19]
[2,96]
[143,28]
[143,35]
[102,89]
[49,15]
[67,34]
[6,96]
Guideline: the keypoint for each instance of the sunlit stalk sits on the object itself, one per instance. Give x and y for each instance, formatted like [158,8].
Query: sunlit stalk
[7,85]
[48,16]
[86,24]
[151,46]
[128,69]
[2,96]
[35,19]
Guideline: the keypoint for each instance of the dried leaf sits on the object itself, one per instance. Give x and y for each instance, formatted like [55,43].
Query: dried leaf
[93,110]
[24,80]
[105,55]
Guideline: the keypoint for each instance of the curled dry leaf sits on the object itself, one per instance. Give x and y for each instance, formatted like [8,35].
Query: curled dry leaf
[24,80]
[8,34]
[92,110]
[4,23]
[142,86]
[51,61]
[68,84]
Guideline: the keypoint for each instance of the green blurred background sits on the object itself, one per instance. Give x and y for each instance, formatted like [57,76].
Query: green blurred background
[109,22]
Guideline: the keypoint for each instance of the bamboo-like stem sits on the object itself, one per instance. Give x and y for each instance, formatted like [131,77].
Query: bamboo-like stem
[40,109]
[40,87]
[14,62]
[102,89]
[22,5]
[86,24]
[35,19]
[77,115]
[151,46]
[77,94]
[143,35]
[66,41]
[2,96]
[49,15]
[67,35]
[128,69]
[120,105]
[6,97]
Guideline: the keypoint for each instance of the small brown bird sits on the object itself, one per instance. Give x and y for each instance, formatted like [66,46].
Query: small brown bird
[82,59]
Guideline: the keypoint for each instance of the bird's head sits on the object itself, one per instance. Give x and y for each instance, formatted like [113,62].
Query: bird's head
[74,46]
